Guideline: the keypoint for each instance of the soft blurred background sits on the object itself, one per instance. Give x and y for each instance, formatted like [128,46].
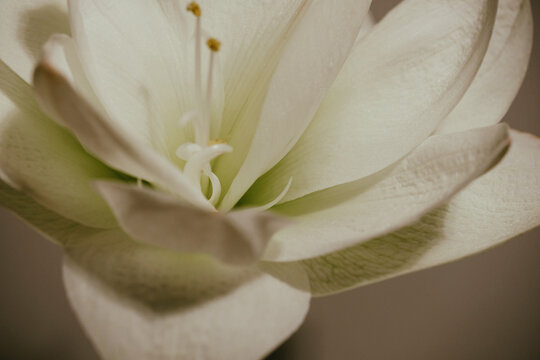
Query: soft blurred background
[483,307]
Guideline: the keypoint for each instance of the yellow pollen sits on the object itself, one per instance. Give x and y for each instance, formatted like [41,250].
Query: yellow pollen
[216,141]
[194,8]
[213,44]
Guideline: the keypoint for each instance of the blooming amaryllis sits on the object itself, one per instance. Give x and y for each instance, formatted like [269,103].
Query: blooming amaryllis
[207,167]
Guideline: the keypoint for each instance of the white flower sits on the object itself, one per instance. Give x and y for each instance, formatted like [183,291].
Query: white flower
[357,136]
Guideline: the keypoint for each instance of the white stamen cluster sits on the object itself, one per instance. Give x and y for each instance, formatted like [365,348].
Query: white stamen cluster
[198,155]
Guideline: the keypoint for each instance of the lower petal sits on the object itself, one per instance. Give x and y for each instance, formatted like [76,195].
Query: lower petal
[139,302]
[500,205]
[346,215]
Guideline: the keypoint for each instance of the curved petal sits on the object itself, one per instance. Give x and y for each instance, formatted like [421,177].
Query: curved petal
[26,25]
[310,62]
[140,63]
[15,93]
[44,160]
[47,163]
[392,93]
[60,52]
[138,302]
[344,216]
[48,223]
[107,141]
[238,237]
[500,205]
[253,34]
[498,80]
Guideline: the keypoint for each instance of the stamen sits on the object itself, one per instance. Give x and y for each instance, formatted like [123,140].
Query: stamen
[199,155]
[213,45]
[192,117]
[194,8]
[278,198]
[216,141]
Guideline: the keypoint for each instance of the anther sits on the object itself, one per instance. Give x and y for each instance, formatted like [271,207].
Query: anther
[216,141]
[194,8]
[213,44]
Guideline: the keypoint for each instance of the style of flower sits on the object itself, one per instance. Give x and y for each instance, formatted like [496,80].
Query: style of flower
[209,166]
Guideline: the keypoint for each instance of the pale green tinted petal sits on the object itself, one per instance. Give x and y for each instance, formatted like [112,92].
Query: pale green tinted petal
[500,205]
[311,59]
[502,71]
[104,139]
[155,218]
[396,87]
[44,160]
[25,27]
[51,225]
[140,302]
[15,93]
[346,215]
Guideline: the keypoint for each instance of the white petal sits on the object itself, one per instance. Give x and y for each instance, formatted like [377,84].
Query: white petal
[47,163]
[346,215]
[396,87]
[140,62]
[38,157]
[61,53]
[253,34]
[138,302]
[500,205]
[26,25]
[311,59]
[502,71]
[238,237]
[104,139]
[15,93]
[367,25]
[51,225]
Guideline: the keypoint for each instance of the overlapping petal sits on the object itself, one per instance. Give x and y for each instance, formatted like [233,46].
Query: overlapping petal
[396,87]
[136,61]
[139,302]
[107,141]
[44,160]
[494,208]
[52,226]
[309,64]
[346,215]
[502,71]
[237,237]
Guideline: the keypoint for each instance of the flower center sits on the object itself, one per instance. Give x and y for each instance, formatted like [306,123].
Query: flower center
[198,155]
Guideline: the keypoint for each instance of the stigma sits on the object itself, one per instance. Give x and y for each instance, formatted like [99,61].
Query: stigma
[199,154]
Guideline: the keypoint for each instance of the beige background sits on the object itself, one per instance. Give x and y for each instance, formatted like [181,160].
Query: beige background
[484,307]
